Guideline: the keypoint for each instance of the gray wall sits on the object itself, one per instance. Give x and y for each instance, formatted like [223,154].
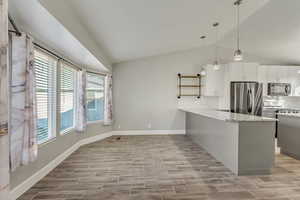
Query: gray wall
[145,90]
[49,151]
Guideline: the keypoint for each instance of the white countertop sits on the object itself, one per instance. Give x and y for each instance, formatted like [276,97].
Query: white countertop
[225,116]
[289,114]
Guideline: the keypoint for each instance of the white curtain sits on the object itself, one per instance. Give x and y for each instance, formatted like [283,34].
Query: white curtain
[23,115]
[80,122]
[3,68]
[4,144]
[108,103]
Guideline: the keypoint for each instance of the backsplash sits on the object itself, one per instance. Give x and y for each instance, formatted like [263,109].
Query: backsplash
[292,102]
[203,102]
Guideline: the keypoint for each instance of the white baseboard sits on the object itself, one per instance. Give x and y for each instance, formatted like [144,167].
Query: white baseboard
[150,132]
[31,181]
[95,138]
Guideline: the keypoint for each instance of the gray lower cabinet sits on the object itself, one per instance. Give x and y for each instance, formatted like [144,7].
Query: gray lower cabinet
[289,135]
[245,147]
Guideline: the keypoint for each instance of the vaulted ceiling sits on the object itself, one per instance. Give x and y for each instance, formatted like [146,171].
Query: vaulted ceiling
[133,29]
[121,30]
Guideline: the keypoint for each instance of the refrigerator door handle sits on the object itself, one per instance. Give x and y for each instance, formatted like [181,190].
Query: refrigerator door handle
[252,101]
[249,101]
[287,90]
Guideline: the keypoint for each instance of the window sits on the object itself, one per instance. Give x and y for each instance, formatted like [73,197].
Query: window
[95,97]
[67,97]
[91,105]
[45,79]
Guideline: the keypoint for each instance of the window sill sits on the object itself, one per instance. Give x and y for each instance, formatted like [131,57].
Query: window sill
[67,131]
[46,142]
[95,122]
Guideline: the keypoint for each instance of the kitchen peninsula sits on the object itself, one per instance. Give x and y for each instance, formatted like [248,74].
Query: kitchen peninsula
[243,143]
[288,134]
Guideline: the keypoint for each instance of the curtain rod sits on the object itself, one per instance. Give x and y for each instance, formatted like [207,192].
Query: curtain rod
[54,54]
[18,33]
[97,73]
[12,22]
[39,46]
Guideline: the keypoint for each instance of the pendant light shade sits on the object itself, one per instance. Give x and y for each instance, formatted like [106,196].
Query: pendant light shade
[203,72]
[238,55]
[216,66]
[216,62]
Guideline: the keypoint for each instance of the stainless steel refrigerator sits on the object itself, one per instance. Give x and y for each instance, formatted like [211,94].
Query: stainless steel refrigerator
[246,97]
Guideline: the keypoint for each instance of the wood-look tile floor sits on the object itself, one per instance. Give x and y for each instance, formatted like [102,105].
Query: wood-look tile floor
[159,168]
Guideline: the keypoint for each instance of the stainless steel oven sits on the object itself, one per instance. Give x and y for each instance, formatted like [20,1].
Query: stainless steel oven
[279,89]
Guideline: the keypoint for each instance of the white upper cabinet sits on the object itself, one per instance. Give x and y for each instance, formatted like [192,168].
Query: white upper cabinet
[280,74]
[213,81]
[236,72]
[243,71]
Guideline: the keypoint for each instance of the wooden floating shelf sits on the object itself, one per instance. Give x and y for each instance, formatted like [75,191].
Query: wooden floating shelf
[189,85]
[180,86]
[3,132]
[189,76]
[189,95]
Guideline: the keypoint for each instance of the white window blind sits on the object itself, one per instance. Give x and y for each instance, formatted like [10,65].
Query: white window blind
[95,97]
[45,75]
[67,98]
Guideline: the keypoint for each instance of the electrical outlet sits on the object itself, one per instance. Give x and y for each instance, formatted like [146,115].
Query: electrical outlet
[119,127]
[149,125]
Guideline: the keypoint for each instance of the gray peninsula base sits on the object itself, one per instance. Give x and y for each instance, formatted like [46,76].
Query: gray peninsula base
[245,147]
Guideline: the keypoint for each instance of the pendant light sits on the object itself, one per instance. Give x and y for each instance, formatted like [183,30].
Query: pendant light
[216,62]
[238,55]
[203,71]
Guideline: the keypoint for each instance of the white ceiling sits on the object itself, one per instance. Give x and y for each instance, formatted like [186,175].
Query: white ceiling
[30,16]
[272,32]
[131,29]
[111,31]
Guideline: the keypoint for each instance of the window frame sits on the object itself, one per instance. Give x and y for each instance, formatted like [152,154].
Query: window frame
[101,120]
[52,104]
[75,98]
[54,97]
[94,104]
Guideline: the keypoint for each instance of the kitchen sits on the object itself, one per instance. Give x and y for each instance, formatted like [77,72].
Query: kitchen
[184,100]
[266,91]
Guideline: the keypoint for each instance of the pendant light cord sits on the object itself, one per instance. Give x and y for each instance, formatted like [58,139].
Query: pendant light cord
[217,46]
[216,25]
[238,26]
[238,3]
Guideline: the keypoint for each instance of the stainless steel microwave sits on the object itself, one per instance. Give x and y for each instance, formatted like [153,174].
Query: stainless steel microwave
[279,89]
